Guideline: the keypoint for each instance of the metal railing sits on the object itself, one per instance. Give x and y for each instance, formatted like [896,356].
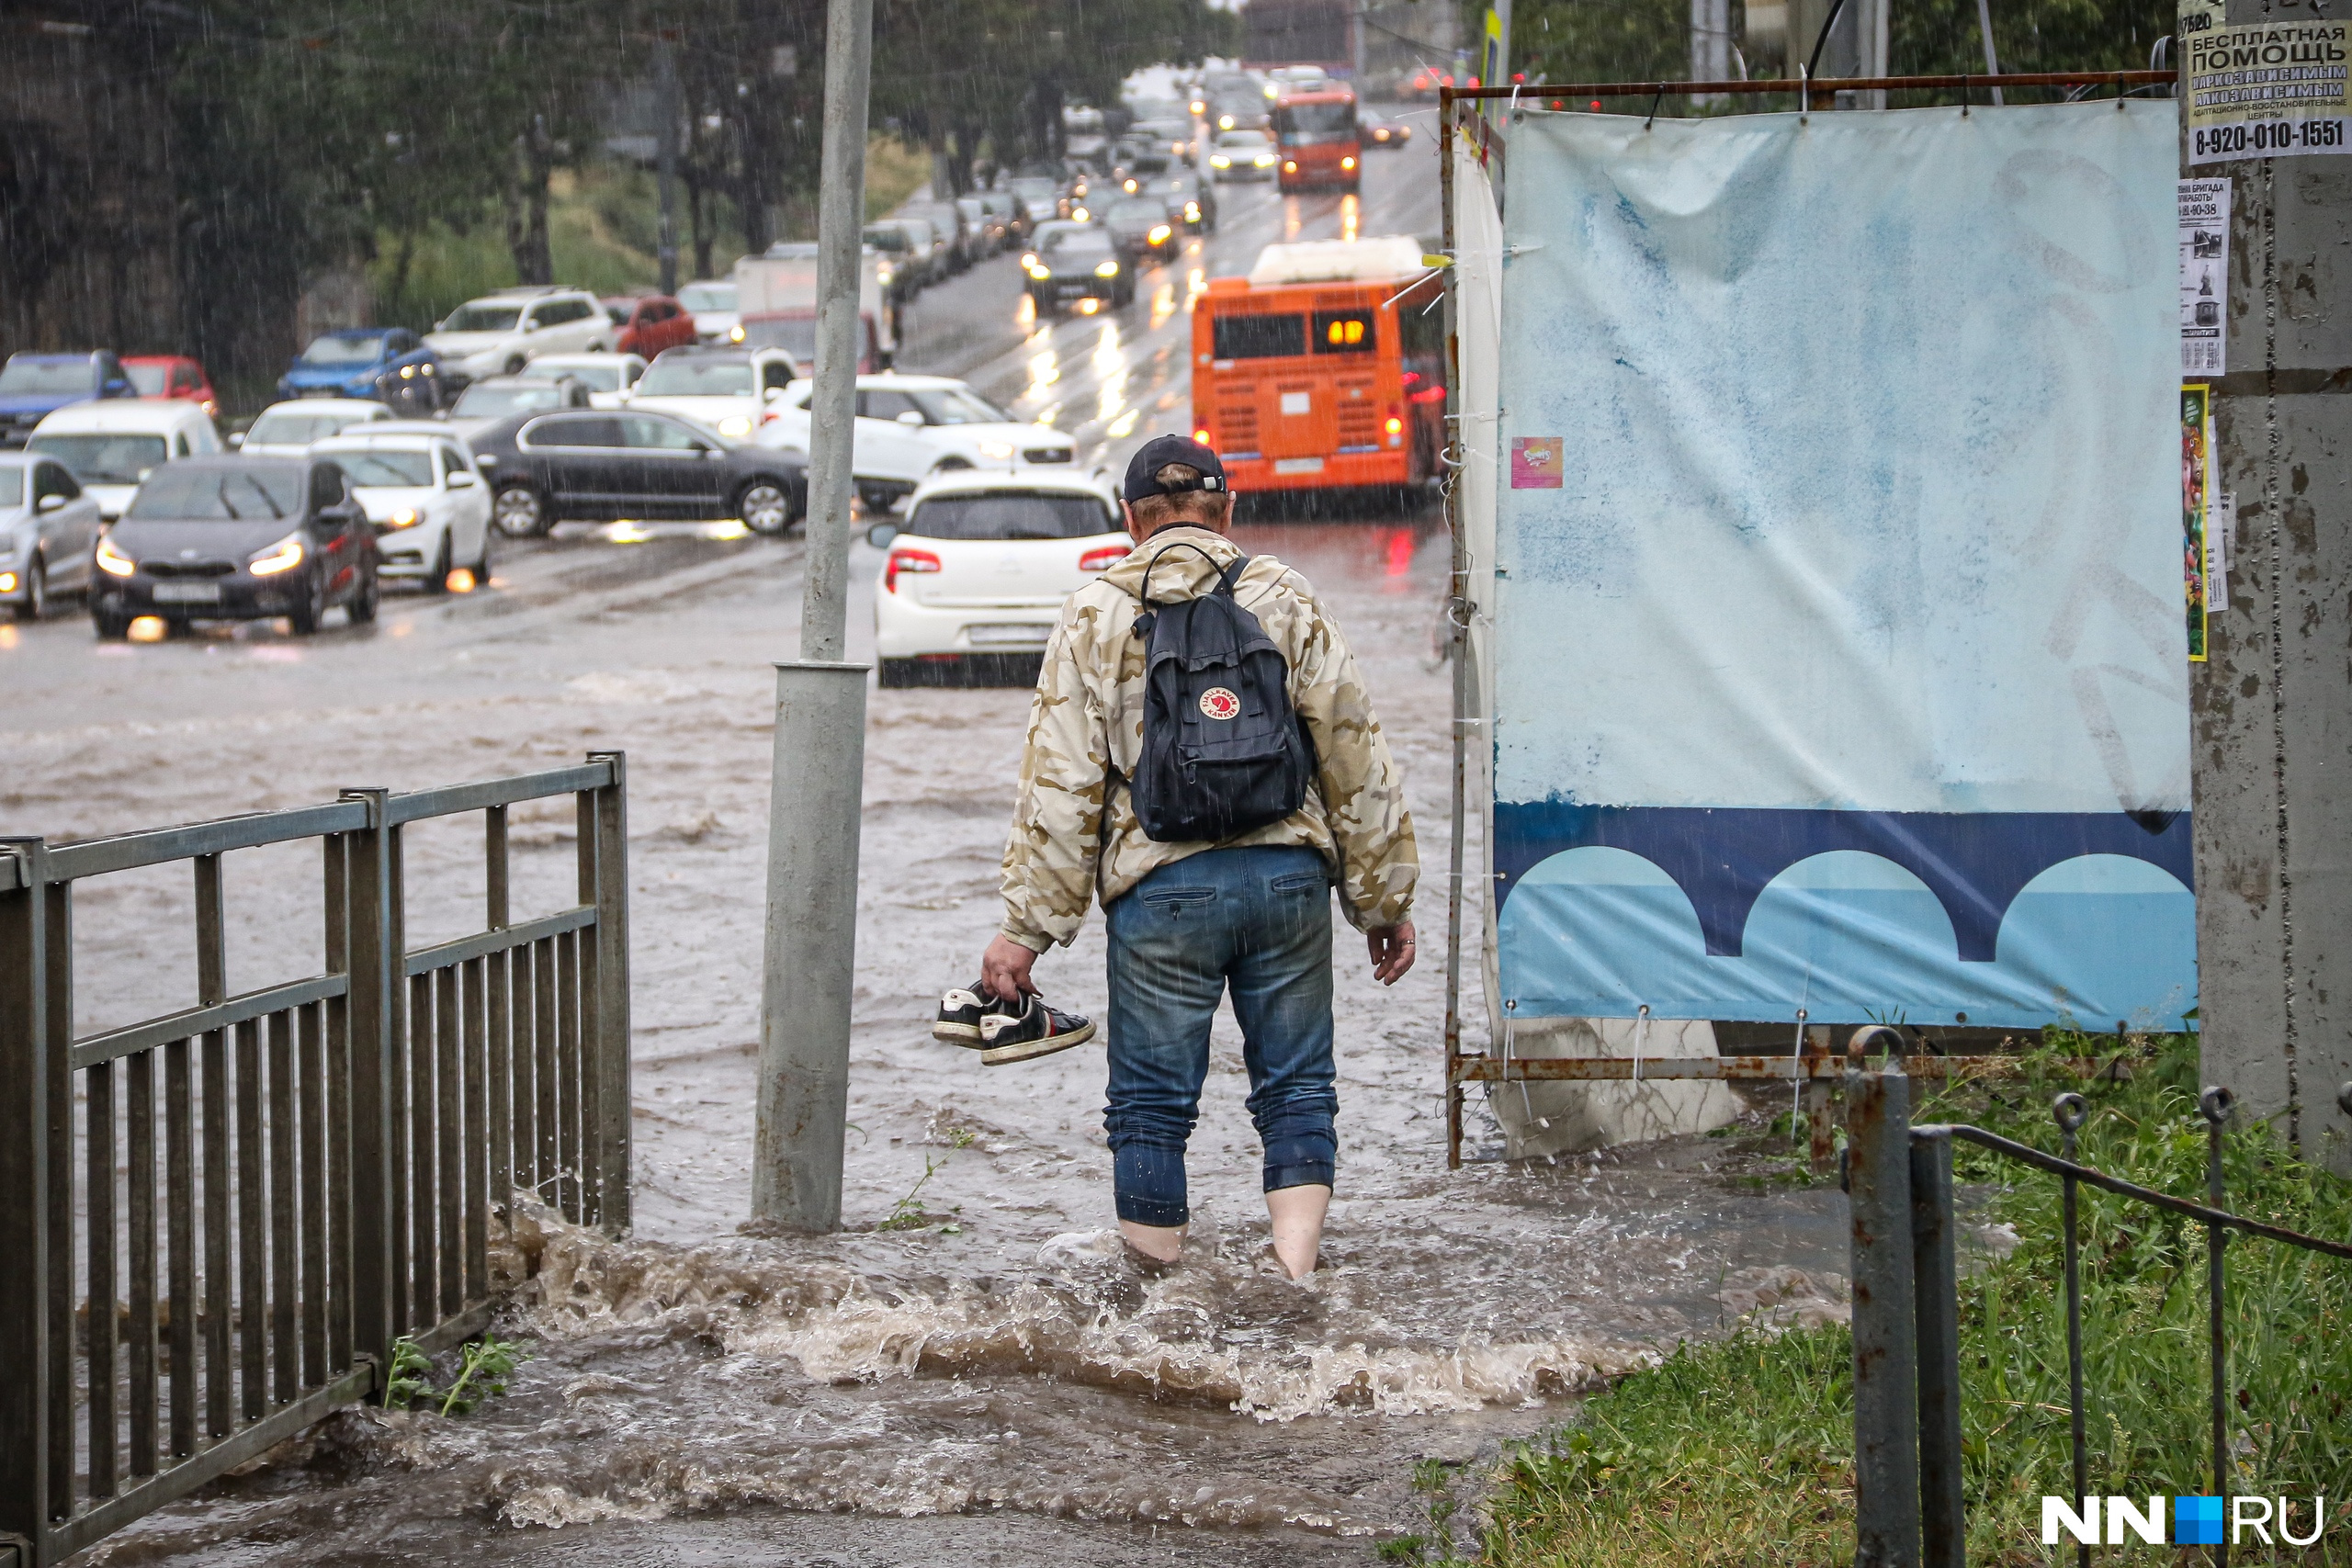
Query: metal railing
[1908,1503]
[191,1281]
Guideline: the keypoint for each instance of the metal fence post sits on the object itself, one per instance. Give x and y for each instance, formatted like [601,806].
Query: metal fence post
[26,1068]
[1886,1440]
[611,1134]
[375,979]
[1935,1276]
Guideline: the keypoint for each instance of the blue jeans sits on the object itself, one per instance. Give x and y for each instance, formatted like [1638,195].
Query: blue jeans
[1256,918]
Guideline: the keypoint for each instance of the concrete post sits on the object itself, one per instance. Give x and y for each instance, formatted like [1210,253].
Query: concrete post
[812,955]
[811,949]
[2271,710]
[665,104]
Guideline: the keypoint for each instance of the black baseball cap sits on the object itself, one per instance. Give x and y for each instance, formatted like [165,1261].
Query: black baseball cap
[1157,454]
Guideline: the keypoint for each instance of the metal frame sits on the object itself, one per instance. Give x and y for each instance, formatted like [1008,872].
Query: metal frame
[1811,1065]
[1908,1507]
[319,1177]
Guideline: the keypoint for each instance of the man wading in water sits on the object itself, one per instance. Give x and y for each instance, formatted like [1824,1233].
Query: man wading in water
[1180,722]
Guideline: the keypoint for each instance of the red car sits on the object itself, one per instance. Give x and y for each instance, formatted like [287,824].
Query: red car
[172,376]
[650,323]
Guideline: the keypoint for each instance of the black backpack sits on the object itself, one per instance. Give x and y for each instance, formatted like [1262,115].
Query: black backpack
[1223,750]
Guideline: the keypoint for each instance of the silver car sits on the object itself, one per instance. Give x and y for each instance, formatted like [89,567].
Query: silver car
[49,533]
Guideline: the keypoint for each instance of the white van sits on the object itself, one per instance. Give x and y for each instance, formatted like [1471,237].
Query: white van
[109,446]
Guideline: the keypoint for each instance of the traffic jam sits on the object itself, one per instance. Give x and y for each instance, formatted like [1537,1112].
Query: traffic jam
[1236,254]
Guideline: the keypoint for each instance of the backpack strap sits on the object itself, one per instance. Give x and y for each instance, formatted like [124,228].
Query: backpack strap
[1143,592]
[1230,578]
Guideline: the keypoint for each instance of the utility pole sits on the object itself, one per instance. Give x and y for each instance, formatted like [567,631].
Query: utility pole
[2273,794]
[811,948]
[665,104]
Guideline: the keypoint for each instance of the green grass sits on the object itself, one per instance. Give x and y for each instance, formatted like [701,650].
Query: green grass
[1740,1452]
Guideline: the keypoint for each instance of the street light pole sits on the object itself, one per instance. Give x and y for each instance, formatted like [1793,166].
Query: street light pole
[665,100]
[810,954]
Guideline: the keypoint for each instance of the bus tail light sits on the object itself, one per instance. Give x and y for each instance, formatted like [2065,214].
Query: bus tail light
[1347,163]
[1100,561]
[1396,425]
[906,560]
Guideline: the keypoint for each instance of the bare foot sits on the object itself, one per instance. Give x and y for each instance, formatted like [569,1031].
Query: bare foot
[1161,1244]
[1297,1214]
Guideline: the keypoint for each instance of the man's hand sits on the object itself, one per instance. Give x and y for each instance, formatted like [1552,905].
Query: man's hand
[1004,969]
[1392,951]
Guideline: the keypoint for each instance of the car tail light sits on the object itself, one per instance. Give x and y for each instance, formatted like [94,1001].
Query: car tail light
[906,560]
[1101,560]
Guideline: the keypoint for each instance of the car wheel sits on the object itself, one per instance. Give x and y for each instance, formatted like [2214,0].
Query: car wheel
[305,616]
[362,607]
[36,600]
[436,576]
[481,562]
[764,505]
[514,364]
[519,512]
[110,628]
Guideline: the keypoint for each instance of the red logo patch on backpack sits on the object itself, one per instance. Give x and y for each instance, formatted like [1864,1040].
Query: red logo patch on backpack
[1218,703]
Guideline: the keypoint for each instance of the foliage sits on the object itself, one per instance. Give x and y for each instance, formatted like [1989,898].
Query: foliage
[483,1367]
[1741,1451]
[908,1214]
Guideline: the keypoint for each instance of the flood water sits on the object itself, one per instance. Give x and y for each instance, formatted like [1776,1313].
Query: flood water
[998,1383]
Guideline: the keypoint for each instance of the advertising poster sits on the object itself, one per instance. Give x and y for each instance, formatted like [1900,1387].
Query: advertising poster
[2196,403]
[2204,276]
[2266,89]
[1892,721]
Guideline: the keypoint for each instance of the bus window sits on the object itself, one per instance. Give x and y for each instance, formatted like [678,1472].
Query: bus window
[1260,337]
[1344,332]
[1303,125]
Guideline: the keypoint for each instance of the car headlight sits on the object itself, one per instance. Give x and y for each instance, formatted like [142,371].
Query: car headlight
[735,334]
[1078,214]
[1038,270]
[1192,212]
[997,451]
[735,425]
[1108,269]
[271,559]
[1220,162]
[1289,167]
[1265,160]
[113,561]
[406,517]
[1158,235]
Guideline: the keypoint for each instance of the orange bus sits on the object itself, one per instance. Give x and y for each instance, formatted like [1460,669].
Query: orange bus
[1316,136]
[1324,368]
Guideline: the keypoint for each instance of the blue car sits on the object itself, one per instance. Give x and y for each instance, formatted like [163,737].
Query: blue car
[382,362]
[34,386]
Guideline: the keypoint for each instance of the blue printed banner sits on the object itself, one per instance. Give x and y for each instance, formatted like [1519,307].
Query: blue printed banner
[1838,658]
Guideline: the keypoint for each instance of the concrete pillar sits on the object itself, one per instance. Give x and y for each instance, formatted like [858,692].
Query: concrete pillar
[2272,708]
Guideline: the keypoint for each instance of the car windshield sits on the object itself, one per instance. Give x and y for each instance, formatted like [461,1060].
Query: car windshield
[336,349]
[696,378]
[890,240]
[1303,124]
[797,335]
[1137,210]
[485,401]
[37,377]
[596,377]
[1243,141]
[12,487]
[148,380]
[380,469]
[958,405]
[707,296]
[114,459]
[297,429]
[484,318]
[1012,514]
[186,492]
[1078,242]
[1034,188]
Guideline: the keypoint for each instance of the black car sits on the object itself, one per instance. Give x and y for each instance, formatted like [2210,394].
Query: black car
[1379,130]
[237,540]
[1140,227]
[599,465]
[1079,263]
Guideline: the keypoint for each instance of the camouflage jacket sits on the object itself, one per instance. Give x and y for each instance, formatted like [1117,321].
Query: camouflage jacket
[1089,708]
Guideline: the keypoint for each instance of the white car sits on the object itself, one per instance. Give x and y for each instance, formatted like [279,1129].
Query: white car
[288,430]
[426,498]
[712,305]
[609,378]
[109,446]
[977,574]
[49,534]
[913,427]
[733,391]
[1243,155]
[499,334]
